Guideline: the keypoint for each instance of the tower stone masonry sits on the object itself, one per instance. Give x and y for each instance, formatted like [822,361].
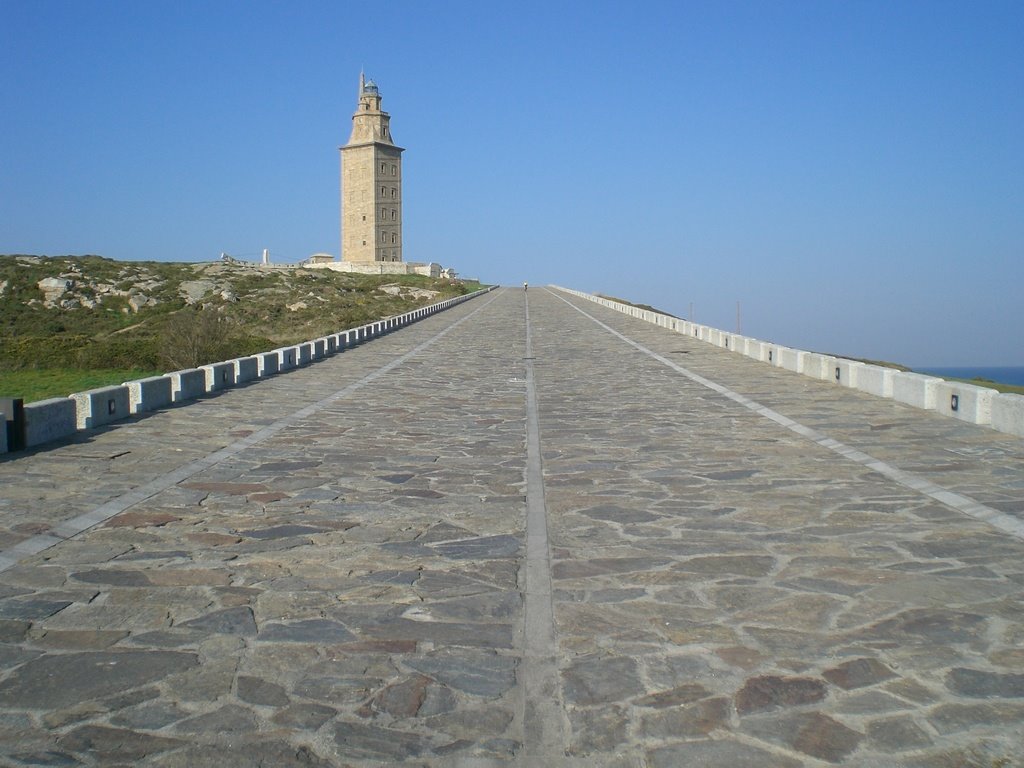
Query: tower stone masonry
[371,184]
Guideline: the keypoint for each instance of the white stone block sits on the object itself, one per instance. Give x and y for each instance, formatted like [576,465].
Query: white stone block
[3,436]
[287,358]
[818,366]
[149,394]
[48,420]
[100,406]
[1008,413]
[915,389]
[964,401]
[875,380]
[305,353]
[188,384]
[792,359]
[268,363]
[757,350]
[246,369]
[319,347]
[844,372]
[219,375]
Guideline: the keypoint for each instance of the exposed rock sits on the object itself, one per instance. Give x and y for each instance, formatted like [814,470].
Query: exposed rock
[54,286]
[394,289]
[139,300]
[194,290]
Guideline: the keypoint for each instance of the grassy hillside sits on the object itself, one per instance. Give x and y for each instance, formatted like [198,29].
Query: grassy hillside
[69,323]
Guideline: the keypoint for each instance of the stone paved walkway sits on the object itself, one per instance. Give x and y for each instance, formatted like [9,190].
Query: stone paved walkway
[488,541]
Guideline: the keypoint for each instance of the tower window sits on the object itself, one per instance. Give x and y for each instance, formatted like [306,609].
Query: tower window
[394,239]
[384,191]
[383,237]
[394,192]
[383,167]
[394,214]
[394,170]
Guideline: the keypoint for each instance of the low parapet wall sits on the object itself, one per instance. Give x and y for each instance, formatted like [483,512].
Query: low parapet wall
[978,405]
[61,417]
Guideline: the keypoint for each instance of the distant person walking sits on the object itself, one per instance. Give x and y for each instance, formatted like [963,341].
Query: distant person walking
[526,287]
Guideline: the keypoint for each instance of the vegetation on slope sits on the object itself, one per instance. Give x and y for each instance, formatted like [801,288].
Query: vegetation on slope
[70,323]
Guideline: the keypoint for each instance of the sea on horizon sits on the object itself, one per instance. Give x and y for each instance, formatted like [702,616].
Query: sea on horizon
[1002,374]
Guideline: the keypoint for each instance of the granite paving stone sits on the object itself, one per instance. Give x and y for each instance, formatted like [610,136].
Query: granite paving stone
[338,566]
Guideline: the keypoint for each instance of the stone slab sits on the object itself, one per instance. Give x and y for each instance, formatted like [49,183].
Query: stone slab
[149,394]
[48,420]
[104,405]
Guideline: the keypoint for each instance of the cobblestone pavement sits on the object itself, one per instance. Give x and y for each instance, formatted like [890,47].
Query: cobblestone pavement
[517,534]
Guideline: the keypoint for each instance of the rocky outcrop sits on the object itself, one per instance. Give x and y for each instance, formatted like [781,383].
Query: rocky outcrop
[54,287]
[193,291]
[406,291]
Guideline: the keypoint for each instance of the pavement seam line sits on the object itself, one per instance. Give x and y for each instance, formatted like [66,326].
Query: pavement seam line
[543,725]
[959,502]
[100,514]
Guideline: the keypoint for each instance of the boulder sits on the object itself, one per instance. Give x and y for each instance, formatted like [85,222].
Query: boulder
[54,286]
[194,290]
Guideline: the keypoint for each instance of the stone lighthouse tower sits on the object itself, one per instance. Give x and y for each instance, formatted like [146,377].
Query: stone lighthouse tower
[371,184]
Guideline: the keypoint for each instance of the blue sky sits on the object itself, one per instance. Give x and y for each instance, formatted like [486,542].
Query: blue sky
[851,172]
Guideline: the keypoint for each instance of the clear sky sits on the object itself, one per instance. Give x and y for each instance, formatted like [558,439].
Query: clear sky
[852,173]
